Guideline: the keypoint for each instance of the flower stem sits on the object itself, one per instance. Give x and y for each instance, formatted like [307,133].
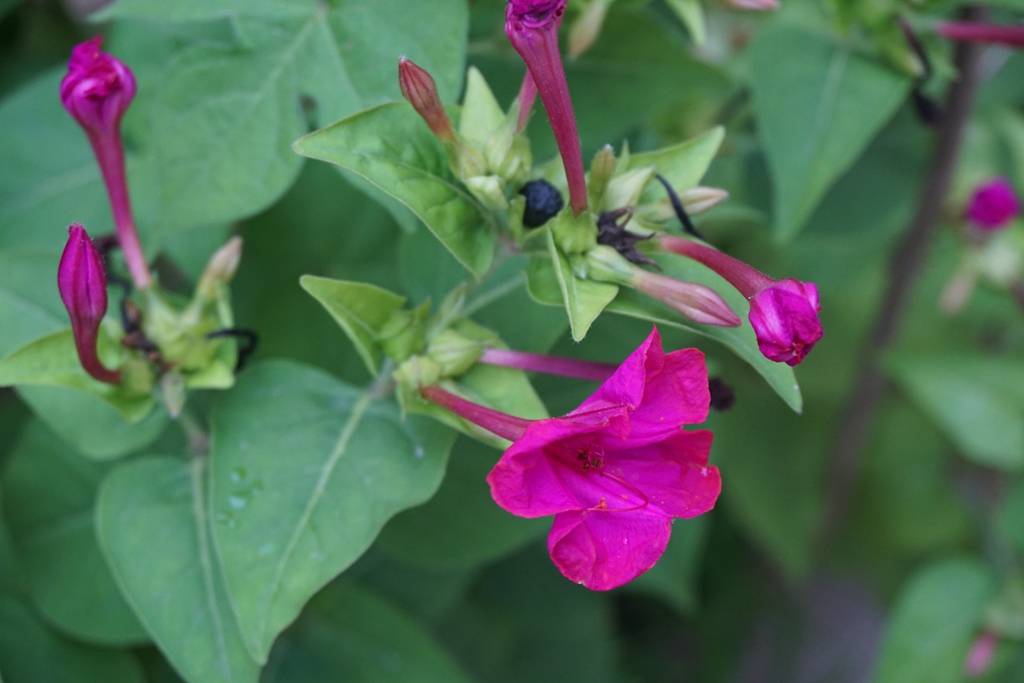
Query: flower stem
[501,424]
[550,365]
[110,156]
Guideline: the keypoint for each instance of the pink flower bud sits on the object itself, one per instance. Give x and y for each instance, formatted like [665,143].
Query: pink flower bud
[972,32]
[532,28]
[980,655]
[96,91]
[97,88]
[753,5]
[783,313]
[994,205]
[83,288]
[697,302]
[785,320]
[419,88]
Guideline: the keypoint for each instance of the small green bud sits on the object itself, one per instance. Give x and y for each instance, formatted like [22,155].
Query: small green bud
[605,264]
[454,353]
[220,270]
[416,372]
[625,189]
[574,234]
[405,332]
[602,168]
[489,191]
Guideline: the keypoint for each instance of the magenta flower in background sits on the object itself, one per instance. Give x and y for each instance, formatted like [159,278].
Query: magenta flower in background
[975,32]
[994,205]
[614,472]
[753,5]
[83,289]
[532,28]
[97,91]
[783,313]
[419,88]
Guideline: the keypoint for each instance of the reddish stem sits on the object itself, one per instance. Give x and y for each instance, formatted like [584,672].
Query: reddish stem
[550,365]
[501,424]
[976,32]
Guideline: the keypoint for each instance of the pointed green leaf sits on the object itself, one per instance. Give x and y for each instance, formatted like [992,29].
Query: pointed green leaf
[306,471]
[683,164]
[51,491]
[818,105]
[544,287]
[481,113]
[154,528]
[52,361]
[584,300]
[351,635]
[394,150]
[360,309]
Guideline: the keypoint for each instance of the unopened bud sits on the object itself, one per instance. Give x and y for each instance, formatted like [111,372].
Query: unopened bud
[82,282]
[419,88]
[587,27]
[694,301]
[97,88]
[220,269]
[454,353]
[602,168]
[994,205]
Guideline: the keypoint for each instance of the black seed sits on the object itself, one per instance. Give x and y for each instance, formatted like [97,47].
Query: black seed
[543,202]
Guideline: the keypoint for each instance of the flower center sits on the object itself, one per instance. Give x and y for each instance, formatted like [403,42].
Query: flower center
[590,459]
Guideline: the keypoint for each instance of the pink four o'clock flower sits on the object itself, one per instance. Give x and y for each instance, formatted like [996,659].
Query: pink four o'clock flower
[97,91]
[783,313]
[616,471]
[83,289]
[532,28]
[994,205]
[975,32]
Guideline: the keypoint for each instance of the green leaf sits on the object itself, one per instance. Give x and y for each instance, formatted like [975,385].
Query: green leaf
[977,401]
[305,472]
[584,300]
[482,116]
[225,114]
[740,340]
[351,635]
[674,576]
[683,164]
[52,361]
[96,428]
[201,10]
[51,491]
[29,653]
[818,105]
[27,311]
[933,623]
[154,528]
[394,150]
[460,527]
[360,309]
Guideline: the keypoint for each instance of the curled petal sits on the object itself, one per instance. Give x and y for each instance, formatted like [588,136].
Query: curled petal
[785,320]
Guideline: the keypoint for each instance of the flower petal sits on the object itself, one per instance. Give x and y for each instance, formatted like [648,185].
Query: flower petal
[604,550]
[627,385]
[677,394]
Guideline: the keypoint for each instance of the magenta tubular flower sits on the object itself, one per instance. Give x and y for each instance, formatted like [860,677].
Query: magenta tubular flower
[973,32]
[551,365]
[696,302]
[97,91]
[419,88]
[83,288]
[783,313]
[617,470]
[994,205]
[532,27]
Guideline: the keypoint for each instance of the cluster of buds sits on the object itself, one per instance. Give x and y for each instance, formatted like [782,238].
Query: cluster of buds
[97,91]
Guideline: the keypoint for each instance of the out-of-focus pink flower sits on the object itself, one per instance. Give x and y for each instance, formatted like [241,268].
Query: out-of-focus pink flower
[753,5]
[994,205]
[981,654]
[783,313]
[617,470]
[83,289]
[975,32]
[532,28]
[419,88]
[97,91]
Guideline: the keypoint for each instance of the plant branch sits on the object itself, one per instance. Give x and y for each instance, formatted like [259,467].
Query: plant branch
[857,417]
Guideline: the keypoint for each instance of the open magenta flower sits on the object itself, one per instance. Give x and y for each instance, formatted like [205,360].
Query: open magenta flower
[994,205]
[97,91]
[83,289]
[614,472]
[783,313]
[532,28]
[976,32]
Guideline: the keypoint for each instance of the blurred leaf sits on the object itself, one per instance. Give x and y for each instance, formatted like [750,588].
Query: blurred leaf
[1010,516]
[461,526]
[51,491]
[305,473]
[977,401]
[674,576]
[96,428]
[394,150]
[27,312]
[29,653]
[199,10]
[53,361]
[154,528]
[691,13]
[360,309]
[740,340]
[818,106]
[931,627]
[226,115]
[349,634]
